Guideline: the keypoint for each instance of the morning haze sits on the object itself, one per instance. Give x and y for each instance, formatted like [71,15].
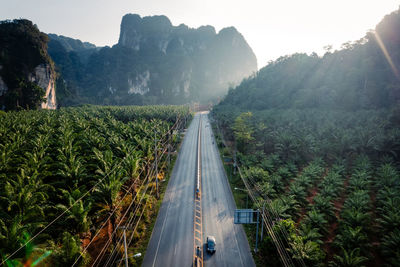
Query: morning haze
[272,28]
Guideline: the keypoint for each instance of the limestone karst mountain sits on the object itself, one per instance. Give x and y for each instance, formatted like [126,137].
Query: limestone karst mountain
[154,62]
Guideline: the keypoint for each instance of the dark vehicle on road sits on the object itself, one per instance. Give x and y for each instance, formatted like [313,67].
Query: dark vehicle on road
[211,244]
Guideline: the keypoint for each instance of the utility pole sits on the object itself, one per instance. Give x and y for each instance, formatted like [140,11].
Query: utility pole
[234,160]
[169,149]
[262,222]
[258,218]
[155,160]
[125,246]
[125,249]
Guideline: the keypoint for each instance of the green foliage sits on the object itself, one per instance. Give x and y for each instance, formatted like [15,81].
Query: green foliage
[349,259]
[356,77]
[325,130]
[243,130]
[70,249]
[50,160]
[327,118]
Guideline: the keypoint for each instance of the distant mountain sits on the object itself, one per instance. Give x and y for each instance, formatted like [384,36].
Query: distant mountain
[363,75]
[27,75]
[155,62]
[71,44]
[61,44]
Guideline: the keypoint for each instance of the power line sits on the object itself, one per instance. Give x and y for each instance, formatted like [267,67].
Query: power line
[133,218]
[109,217]
[114,210]
[150,174]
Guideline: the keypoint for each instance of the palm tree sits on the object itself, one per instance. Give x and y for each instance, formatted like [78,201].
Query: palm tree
[362,163]
[69,251]
[266,189]
[329,191]
[26,196]
[304,181]
[390,246]
[70,165]
[350,237]
[106,195]
[279,209]
[308,251]
[349,259]
[359,200]
[277,183]
[387,195]
[389,220]
[355,217]
[298,192]
[309,233]
[292,204]
[359,184]
[316,220]
[76,217]
[286,145]
[13,234]
[388,175]
[324,205]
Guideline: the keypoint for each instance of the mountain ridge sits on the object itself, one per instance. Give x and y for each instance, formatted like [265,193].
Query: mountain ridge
[155,62]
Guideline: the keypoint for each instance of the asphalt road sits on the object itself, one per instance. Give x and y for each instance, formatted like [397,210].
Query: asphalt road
[171,243]
[232,247]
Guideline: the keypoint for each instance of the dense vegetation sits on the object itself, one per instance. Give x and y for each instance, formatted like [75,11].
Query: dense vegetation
[90,169]
[318,143]
[359,76]
[22,48]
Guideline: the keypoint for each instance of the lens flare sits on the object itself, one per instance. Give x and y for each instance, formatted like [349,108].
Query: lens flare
[387,56]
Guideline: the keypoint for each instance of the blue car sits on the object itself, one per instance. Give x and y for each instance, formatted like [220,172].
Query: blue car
[211,244]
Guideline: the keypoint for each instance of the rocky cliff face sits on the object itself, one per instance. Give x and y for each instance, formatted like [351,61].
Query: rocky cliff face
[44,76]
[181,64]
[27,74]
[155,62]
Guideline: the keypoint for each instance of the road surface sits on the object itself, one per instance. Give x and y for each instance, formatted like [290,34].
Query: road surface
[172,240]
[218,208]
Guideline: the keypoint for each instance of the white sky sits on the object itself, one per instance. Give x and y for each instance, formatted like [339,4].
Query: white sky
[272,28]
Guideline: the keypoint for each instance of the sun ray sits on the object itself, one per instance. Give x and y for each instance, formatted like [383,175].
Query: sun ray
[387,56]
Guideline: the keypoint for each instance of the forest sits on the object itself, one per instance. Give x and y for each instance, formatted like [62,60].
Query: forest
[71,178]
[317,142]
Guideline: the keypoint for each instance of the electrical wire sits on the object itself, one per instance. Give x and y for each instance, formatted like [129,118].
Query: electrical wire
[109,242]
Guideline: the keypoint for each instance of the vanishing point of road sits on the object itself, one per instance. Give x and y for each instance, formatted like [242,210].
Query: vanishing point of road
[172,240]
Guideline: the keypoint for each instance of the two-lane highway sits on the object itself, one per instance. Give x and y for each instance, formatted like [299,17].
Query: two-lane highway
[172,240]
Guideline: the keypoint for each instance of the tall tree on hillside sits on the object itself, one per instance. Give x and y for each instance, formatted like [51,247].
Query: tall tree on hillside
[243,131]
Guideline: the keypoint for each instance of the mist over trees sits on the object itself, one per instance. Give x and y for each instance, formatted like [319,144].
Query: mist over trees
[318,137]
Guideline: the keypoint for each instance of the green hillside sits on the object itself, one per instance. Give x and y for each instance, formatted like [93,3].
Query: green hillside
[318,142]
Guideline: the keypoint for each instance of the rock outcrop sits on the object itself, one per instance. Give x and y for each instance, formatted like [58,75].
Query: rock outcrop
[155,62]
[45,77]
[27,74]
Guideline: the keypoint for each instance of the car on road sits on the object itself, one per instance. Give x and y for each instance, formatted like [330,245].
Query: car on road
[211,244]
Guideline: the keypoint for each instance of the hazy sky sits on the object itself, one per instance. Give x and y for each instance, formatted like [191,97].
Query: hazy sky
[273,28]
